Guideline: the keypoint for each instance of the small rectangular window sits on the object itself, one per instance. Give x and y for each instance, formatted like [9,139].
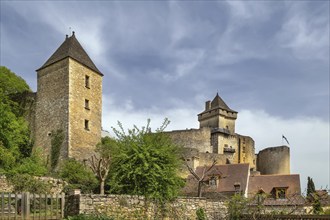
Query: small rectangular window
[87,84]
[86,125]
[87,104]
[213,181]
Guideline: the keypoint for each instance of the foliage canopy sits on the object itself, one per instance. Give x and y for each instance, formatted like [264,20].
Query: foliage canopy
[15,143]
[78,176]
[145,163]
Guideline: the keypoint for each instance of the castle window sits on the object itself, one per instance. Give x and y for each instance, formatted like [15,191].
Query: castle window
[87,84]
[86,125]
[87,104]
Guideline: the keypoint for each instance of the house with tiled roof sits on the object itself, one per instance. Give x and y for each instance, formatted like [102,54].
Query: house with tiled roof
[223,181]
[276,190]
[220,181]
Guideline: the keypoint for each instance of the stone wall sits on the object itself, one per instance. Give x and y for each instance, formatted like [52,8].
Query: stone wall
[5,185]
[133,207]
[82,140]
[56,185]
[193,138]
[246,151]
[52,106]
[274,160]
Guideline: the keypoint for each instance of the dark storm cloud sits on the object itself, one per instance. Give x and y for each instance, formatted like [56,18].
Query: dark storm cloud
[179,49]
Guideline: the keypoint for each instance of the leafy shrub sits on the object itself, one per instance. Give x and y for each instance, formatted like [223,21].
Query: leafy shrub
[200,213]
[32,165]
[28,183]
[78,176]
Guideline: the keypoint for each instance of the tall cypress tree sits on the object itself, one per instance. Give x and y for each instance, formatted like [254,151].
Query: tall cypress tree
[310,187]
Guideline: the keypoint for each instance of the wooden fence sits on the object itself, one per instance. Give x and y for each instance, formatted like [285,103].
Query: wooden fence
[27,206]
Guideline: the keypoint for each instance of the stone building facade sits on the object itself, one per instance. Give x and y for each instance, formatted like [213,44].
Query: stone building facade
[216,138]
[69,99]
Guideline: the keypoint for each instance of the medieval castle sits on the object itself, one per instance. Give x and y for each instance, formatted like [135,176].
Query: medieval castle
[69,98]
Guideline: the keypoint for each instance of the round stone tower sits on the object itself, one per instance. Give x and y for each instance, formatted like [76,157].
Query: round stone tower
[274,160]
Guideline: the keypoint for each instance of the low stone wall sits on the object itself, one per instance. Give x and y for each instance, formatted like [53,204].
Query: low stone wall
[56,185]
[136,207]
[5,185]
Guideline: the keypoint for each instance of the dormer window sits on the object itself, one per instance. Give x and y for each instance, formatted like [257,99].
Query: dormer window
[213,181]
[280,192]
[237,187]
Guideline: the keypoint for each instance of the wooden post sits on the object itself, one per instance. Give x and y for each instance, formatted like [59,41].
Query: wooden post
[26,205]
[9,206]
[51,206]
[45,206]
[2,204]
[39,206]
[16,206]
[56,206]
[62,204]
[34,206]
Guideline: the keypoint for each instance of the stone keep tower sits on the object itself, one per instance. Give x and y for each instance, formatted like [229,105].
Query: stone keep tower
[69,98]
[221,119]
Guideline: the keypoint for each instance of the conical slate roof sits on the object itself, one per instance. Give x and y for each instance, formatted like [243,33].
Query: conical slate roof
[217,102]
[71,48]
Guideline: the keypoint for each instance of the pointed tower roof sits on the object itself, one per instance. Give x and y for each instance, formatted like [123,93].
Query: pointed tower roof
[217,102]
[73,49]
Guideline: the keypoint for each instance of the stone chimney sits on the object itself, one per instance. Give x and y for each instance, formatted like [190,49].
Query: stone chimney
[207,105]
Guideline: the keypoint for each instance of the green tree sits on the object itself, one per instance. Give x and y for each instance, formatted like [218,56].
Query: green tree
[10,83]
[317,207]
[100,162]
[237,206]
[78,176]
[15,140]
[313,197]
[310,187]
[145,163]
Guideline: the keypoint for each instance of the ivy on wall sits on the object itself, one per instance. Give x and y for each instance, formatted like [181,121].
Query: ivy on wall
[56,143]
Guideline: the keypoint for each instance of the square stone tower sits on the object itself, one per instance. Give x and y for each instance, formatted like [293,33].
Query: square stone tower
[221,119]
[69,99]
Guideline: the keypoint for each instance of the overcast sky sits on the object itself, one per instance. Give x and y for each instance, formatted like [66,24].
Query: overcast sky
[269,60]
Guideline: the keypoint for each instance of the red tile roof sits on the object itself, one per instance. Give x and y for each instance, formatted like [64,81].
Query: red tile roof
[268,182]
[230,174]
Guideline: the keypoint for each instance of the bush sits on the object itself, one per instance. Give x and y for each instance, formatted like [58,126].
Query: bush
[200,213]
[32,165]
[78,176]
[28,183]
